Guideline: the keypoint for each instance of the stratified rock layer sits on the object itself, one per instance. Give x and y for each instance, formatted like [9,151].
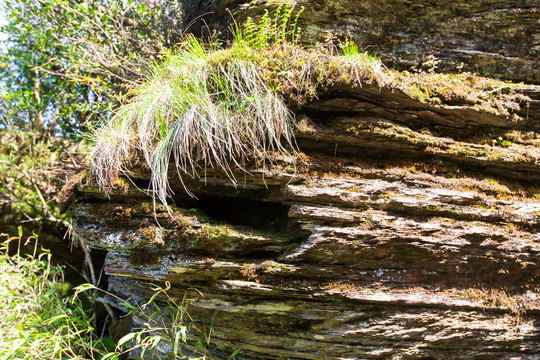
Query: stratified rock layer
[492,38]
[399,230]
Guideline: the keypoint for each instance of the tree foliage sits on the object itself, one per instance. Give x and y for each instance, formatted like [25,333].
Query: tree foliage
[64,66]
[67,64]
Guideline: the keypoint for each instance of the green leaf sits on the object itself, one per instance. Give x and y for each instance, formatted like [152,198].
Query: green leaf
[176,345]
[129,306]
[110,356]
[83,288]
[126,338]
[155,340]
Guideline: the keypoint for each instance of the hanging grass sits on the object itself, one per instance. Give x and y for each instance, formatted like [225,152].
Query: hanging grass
[195,114]
[209,107]
[201,108]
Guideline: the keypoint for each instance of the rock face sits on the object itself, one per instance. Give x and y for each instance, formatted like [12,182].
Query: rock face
[398,230]
[492,38]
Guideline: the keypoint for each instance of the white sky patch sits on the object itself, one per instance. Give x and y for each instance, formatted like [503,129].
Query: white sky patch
[3,42]
[3,21]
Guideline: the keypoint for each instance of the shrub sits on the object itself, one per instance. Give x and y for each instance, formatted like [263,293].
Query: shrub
[39,318]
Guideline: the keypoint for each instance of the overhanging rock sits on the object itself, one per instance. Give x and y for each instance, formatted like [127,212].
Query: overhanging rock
[399,229]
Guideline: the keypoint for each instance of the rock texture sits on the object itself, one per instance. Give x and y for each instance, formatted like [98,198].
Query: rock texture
[398,230]
[492,38]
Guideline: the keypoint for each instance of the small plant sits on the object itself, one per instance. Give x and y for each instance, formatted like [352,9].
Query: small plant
[165,329]
[350,49]
[499,141]
[430,64]
[280,29]
[39,317]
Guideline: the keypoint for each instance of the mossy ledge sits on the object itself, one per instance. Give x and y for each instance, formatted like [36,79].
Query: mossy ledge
[205,106]
[369,223]
[401,220]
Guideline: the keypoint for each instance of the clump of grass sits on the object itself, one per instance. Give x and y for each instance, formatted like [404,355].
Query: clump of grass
[349,48]
[205,106]
[197,115]
[39,319]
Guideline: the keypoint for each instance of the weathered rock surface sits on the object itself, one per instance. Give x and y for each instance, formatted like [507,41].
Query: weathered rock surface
[492,38]
[399,230]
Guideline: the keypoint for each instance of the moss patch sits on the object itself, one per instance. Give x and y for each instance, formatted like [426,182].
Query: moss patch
[144,258]
[239,95]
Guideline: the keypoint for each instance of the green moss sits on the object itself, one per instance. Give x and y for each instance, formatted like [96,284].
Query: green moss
[272,267]
[225,94]
[249,272]
[148,233]
[216,232]
[386,195]
[499,299]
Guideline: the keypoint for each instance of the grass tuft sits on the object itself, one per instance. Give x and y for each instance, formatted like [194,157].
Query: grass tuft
[43,318]
[198,111]
[39,319]
[194,114]
[210,107]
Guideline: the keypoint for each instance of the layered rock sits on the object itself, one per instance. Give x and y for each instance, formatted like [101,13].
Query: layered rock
[492,38]
[397,229]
